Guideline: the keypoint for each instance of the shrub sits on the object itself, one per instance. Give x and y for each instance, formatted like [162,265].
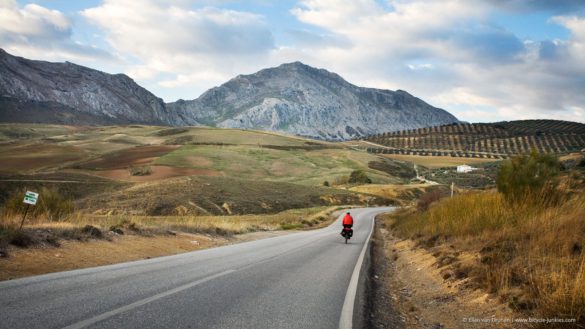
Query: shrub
[326,183]
[140,170]
[359,177]
[21,239]
[116,229]
[50,204]
[171,131]
[340,180]
[428,198]
[92,231]
[523,178]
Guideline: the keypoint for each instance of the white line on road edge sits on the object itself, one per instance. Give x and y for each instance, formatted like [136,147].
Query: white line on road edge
[346,318]
[128,307]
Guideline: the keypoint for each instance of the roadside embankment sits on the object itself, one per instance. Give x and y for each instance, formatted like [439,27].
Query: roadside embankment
[477,261]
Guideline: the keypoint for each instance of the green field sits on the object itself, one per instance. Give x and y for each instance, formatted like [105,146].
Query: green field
[308,167]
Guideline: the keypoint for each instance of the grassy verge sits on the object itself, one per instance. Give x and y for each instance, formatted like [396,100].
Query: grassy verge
[221,225]
[529,255]
[83,227]
[45,246]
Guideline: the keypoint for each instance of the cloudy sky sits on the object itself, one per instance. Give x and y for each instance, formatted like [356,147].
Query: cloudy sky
[482,60]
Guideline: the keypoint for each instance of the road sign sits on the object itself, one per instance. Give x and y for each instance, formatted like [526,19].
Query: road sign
[31,198]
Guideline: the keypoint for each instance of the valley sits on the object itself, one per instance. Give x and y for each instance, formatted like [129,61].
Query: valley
[406,164]
[111,194]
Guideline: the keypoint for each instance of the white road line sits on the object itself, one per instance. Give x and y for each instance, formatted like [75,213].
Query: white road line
[346,318]
[104,316]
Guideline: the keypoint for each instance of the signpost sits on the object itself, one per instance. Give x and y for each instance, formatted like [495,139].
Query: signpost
[29,198]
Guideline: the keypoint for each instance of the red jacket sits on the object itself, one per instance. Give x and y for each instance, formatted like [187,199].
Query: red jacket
[347,220]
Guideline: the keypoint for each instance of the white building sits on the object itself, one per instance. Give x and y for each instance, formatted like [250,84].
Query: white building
[465,169]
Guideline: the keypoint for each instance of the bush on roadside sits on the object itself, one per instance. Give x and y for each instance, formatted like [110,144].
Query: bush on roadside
[529,178]
[425,201]
[21,239]
[92,231]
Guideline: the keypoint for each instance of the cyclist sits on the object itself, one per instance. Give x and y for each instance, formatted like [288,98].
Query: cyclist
[347,223]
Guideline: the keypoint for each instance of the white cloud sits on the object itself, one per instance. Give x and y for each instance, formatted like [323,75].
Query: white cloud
[32,21]
[418,67]
[450,54]
[577,44]
[37,32]
[196,47]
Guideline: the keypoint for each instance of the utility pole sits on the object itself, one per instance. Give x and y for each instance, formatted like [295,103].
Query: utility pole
[452,188]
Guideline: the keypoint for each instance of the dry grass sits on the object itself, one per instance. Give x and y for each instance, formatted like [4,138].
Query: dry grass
[74,255]
[221,225]
[117,239]
[531,255]
[39,230]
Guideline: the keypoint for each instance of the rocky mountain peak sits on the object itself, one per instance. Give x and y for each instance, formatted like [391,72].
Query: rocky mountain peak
[39,91]
[292,98]
[299,99]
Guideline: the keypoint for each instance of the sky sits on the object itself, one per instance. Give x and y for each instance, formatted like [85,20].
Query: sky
[481,60]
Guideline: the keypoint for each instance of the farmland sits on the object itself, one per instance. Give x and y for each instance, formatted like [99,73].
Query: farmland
[178,171]
[482,140]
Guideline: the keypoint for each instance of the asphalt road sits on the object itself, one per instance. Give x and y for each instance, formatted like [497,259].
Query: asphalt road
[295,281]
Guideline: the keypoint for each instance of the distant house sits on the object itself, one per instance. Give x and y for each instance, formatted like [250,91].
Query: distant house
[465,169]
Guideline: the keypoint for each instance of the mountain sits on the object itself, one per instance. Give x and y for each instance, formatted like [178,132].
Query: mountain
[291,98]
[301,100]
[43,92]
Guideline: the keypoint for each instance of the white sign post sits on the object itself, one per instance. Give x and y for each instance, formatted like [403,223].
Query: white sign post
[29,198]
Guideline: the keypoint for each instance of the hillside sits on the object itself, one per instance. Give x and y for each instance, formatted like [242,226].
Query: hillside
[298,99]
[164,171]
[483,140]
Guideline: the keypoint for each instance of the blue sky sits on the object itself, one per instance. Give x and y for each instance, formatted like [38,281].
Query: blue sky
[482,60]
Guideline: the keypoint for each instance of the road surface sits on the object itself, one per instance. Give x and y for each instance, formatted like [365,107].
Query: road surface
[298,280]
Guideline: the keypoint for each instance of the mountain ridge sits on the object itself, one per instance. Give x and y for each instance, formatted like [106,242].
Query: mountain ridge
[292,98]
[306,101]
[79,91]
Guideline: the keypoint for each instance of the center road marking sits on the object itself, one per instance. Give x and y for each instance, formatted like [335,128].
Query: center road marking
[104,316]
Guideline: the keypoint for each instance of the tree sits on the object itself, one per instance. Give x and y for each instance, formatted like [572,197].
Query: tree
[523,178]
[360,177]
